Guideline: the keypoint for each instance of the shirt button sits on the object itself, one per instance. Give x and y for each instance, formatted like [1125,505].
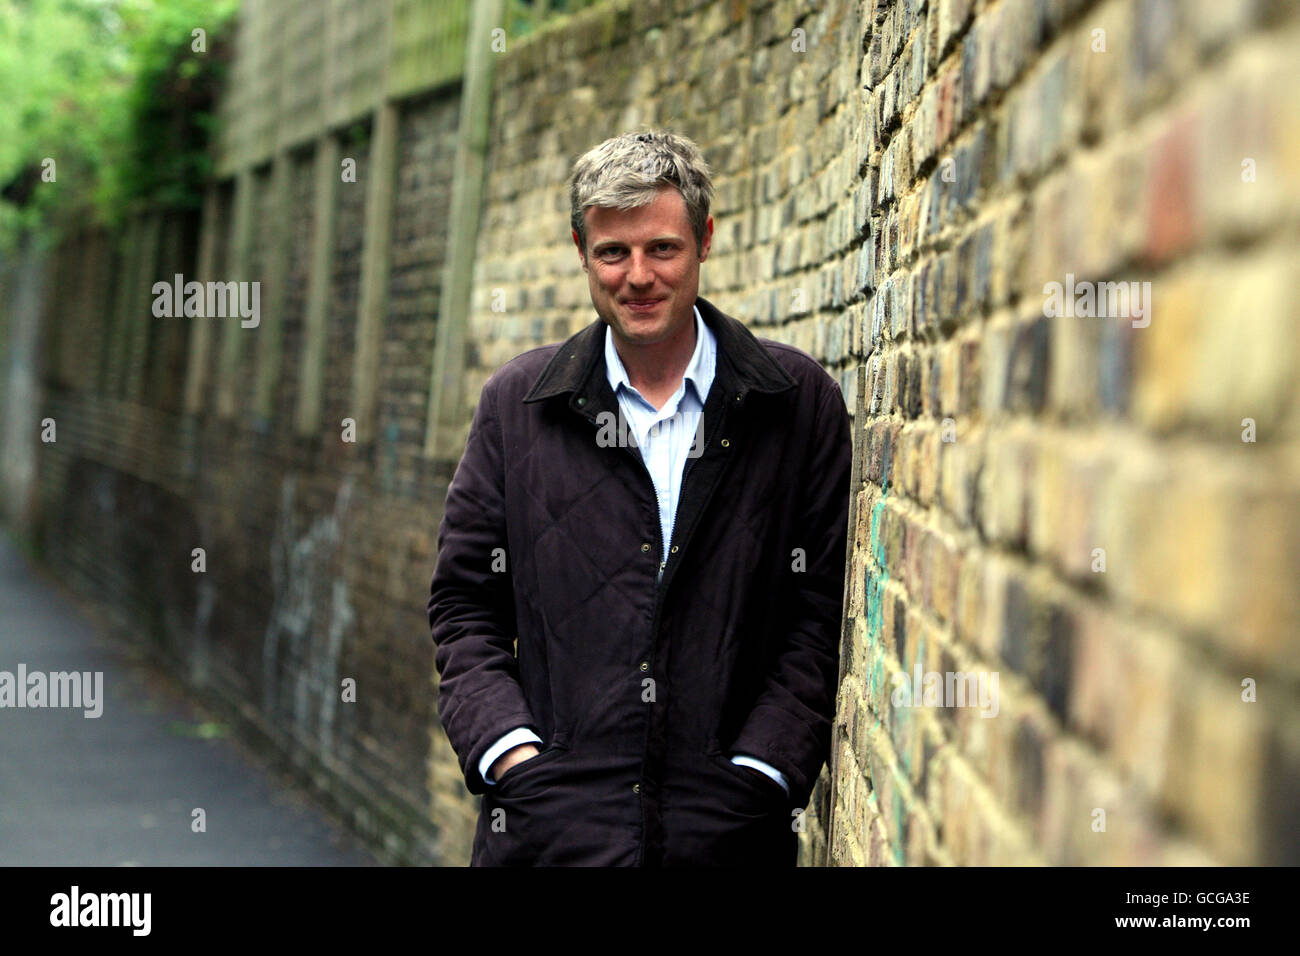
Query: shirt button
[645,546]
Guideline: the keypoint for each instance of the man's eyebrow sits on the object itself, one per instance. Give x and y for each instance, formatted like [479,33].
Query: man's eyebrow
[619,242]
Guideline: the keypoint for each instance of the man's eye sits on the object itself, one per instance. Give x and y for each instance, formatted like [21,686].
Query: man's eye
[605,253]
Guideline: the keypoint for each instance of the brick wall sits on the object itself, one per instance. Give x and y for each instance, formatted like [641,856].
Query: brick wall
[895,185]
[1012,143]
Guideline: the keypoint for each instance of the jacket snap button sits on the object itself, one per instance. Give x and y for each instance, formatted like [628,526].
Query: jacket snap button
[582,400]
[645,665]
[645,546]
[725,443]
[636,788]
[673,549]
[738,396]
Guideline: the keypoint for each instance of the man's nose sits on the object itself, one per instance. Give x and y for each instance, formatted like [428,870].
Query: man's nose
[639,272]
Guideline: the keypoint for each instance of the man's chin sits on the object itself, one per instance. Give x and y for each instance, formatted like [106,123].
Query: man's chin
[635,337]
[638,329]
[643,320]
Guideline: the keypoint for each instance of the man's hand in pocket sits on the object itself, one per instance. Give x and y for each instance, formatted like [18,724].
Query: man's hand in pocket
[511,757]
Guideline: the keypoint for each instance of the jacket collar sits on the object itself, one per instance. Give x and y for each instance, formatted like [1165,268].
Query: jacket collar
[743,363]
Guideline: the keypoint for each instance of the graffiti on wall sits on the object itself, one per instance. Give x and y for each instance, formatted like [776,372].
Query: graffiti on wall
[310,616]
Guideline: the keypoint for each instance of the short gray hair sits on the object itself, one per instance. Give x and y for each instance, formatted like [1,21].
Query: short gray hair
[627,171]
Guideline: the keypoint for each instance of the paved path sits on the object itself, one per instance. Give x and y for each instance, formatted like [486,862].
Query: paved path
[119,789]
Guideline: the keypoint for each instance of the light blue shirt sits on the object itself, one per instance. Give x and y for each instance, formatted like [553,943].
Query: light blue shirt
[668,438]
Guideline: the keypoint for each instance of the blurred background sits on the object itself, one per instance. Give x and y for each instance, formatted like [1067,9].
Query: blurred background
[1099,502]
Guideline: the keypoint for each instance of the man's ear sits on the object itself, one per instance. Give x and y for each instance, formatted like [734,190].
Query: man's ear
[582,253]
[707,245]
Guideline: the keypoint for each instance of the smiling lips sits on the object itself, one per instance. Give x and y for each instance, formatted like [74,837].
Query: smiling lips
[642,305]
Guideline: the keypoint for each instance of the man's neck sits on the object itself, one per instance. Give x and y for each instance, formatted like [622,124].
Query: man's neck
[657,370]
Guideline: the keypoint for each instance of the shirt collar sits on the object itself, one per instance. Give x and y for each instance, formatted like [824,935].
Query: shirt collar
[699,371]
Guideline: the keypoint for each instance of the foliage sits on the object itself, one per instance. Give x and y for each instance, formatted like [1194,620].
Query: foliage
[170,106]
[112,92]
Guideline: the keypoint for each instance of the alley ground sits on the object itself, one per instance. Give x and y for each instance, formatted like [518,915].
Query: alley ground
[120,789]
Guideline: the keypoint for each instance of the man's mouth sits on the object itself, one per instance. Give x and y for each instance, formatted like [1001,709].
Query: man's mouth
[642,305]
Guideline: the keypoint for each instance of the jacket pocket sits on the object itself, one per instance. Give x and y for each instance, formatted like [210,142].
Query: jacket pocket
[525,817]
[738,819]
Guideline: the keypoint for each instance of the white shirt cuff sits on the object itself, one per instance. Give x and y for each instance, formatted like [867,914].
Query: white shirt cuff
[520,735]
[767,768]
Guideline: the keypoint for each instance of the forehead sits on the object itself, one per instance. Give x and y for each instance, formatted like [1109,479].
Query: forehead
[667,212]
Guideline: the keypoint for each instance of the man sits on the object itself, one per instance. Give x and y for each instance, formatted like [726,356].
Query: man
[657,509]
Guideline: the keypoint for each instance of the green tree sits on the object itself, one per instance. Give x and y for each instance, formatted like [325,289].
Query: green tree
[112,92]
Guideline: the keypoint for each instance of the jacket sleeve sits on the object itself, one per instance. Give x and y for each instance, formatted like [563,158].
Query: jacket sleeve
[789,725]
[471,605]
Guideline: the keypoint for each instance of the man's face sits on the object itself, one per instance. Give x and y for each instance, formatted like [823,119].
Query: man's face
[646,254]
